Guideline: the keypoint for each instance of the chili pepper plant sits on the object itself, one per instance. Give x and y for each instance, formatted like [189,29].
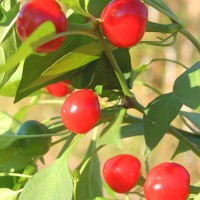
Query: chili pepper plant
[80,55]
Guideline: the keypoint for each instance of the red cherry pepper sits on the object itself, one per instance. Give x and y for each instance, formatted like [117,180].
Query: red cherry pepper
[124,22]
[121,172]
[33,14]
[166,181]
[80,111]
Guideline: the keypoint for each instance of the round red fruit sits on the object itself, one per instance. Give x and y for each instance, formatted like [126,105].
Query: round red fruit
[33,14]
[166,181]
[121,172]
[80,111]
[59,89]
[124,22]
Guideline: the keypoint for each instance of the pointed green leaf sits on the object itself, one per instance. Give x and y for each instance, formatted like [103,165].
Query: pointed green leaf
[111,133]
[158,115]
[193,117]
[9,18]
[181,148]
[71,61]
[190,140]
[45,30]
[75,5]
[187,87]
[53,182]
[52,67]
[89,185]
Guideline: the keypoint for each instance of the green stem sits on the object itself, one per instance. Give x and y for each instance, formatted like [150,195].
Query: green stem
[69,145]
[162,28]
[130,101]
[194,189]
[29,170]
[60,140]
[115,65]
[66,145]
[190,37]
[168,60]
[165,10]
[15,174]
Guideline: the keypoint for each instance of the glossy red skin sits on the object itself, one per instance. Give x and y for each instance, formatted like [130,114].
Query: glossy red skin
[121,172]
[124,22]
[59,89]
[80,111]
[167,181]
[33,14]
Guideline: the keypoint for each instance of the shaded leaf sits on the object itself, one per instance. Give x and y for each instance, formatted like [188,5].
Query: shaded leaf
[104,74]
[158,115]
[138,70]
[71,61]
[181,148]
[191,141]
[9,12]
[15,163]
[53,182]
[46,65]
[111,133]
[89,184]
[45,30]
[133,129]
[187,87]
[75,5]
[193,117]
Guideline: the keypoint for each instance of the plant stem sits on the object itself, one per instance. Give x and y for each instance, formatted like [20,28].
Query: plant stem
[165,10]
[60,140]
[115,65]
[162,28]
[194,189]
[29,170]
[15,174]
[66,145]
[190,37]
[130,100]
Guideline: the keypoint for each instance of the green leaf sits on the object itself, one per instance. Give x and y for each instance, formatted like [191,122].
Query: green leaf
[109,114]
[89,184]
[181,148]
[8,194]
[95,7]
[6,140]
[51,67]
[12,82]
[75,5]
[193,117]
[190,141]
[111,133]
[53,182]
[45,30]
[158,115]
[187,87]
[9,90]
[10,12]
[104,74]
[15,163]
[71,61]
[133,129]
[138,70]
